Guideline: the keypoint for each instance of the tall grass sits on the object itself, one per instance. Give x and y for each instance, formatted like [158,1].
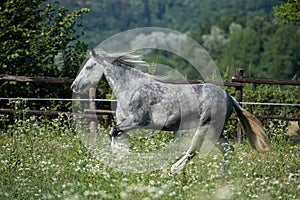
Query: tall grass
[43,158]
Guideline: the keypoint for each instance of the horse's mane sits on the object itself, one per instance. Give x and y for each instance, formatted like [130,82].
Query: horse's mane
[126,58]
[134,61]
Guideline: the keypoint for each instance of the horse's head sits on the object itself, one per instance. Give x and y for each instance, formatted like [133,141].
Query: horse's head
[90,73]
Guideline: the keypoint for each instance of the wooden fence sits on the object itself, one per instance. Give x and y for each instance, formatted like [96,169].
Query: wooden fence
[239,78]
[238,81]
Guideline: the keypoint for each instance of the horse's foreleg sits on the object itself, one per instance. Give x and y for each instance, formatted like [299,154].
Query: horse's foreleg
[139,119]
[117,130]
[123,127]
[195,146]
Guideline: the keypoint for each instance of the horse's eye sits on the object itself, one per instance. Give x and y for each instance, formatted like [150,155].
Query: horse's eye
[89,67]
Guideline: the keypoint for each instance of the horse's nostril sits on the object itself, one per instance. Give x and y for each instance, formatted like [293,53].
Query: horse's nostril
[74,86]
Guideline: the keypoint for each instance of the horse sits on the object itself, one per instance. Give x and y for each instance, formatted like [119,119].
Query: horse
[148,102]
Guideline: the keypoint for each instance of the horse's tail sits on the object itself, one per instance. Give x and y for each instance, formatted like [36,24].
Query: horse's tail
[253,128]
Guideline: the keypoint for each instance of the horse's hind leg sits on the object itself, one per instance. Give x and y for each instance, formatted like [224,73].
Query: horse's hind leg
[195,146]
[226,150]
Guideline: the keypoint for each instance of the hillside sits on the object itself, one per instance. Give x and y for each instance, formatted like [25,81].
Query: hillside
[109,17]
[246,30]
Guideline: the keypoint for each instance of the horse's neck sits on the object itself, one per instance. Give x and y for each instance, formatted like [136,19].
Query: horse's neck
[123,80]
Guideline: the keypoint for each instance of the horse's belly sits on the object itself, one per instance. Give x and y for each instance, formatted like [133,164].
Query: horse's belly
[189,121]
[175,120]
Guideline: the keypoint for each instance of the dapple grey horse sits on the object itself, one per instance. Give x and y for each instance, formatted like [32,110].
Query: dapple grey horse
[148,102]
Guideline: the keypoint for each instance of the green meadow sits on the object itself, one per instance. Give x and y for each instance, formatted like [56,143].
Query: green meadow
[43,158]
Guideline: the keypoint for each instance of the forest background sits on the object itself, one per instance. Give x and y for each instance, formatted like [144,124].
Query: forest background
[238,33]
[51,38]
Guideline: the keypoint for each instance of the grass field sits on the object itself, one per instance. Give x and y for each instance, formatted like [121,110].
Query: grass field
[45,159]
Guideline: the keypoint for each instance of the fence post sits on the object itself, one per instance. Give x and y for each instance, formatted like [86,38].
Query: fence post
[93,123]
[239,97]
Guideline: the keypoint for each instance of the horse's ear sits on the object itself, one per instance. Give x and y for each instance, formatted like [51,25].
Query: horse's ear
[92,53]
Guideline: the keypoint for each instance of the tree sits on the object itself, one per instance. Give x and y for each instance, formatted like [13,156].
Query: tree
[33,32]
[242,50]
[289,12]
[39,38]
[282,54]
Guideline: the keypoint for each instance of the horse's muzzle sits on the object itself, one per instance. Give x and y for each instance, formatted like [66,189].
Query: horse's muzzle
[75,88]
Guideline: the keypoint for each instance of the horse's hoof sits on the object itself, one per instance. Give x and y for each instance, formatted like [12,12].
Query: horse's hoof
[115,132]
[175,169]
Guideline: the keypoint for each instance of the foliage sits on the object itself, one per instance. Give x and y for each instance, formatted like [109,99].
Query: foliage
[261,48]
[276,63]
[242,49]
[289,12]
[32,33]
[39,39]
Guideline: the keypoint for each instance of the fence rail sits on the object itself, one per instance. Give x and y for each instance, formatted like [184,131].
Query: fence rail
[268,81]
[5,77]
[238,81]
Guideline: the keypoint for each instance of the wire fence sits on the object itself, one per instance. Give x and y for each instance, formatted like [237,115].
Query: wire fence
[114,100]
[55,99]
[111,111]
